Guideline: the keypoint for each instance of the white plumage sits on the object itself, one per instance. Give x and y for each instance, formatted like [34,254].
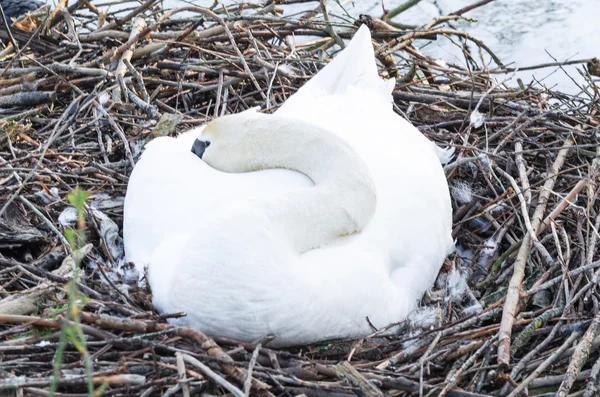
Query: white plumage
[234,249]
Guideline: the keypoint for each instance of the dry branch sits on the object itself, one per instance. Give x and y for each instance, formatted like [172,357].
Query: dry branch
[79,104]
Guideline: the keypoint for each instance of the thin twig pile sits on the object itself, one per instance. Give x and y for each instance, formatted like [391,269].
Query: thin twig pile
[515,310]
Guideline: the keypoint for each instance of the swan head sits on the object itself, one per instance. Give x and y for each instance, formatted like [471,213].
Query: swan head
[229,142]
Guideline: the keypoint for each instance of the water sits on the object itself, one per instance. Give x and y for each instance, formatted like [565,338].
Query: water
[520,32]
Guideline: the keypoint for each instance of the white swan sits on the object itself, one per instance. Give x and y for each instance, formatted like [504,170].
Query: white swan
[316,222]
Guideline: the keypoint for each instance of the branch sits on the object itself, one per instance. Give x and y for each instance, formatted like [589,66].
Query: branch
[514,287]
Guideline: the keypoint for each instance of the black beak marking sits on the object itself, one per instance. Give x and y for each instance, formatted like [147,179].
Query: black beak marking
[199,147]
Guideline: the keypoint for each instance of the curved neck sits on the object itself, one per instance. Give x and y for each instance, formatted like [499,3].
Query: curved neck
[343,200]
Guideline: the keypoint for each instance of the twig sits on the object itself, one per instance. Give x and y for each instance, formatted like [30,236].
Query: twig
[592,381]
[143,7]
[471,7]
[58,234]
[580,356]
[213,375]
[523,172]
[185,389]
[328,26]
[553,357]
[347,372]
[248,382]
[514,288]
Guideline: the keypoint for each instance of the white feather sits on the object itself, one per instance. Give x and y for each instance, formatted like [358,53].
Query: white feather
[462,192]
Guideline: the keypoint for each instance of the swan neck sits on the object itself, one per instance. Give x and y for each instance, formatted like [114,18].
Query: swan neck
[343,200]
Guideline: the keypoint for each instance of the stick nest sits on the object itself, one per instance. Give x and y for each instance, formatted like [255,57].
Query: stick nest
[514,311]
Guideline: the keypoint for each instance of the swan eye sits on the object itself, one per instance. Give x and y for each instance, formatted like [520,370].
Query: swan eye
[199,147]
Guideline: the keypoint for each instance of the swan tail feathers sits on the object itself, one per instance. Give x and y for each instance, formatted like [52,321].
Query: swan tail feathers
[354,67]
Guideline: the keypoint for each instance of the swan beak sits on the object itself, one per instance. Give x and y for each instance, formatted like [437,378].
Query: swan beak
[199,147]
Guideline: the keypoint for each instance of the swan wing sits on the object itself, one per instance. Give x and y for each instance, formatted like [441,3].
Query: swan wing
[349,98]
[413,218]
[244,282]
[354,67]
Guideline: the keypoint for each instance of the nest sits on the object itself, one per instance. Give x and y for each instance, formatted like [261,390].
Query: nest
[515,310]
